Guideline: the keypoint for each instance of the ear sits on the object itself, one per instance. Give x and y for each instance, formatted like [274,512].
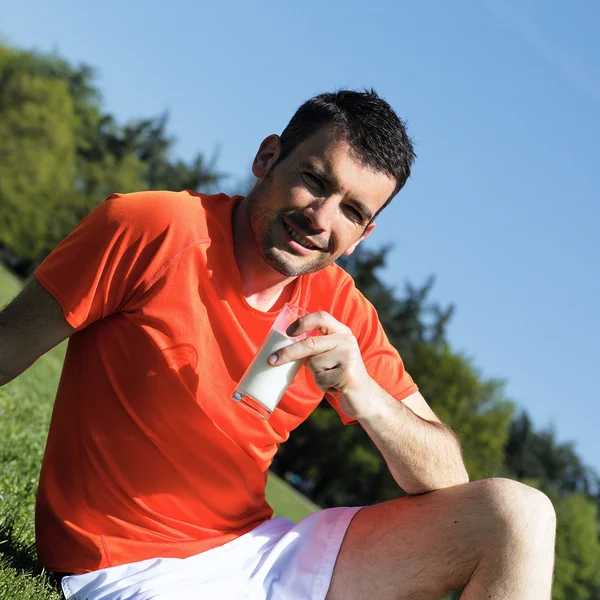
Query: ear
[267,155]
[364,236]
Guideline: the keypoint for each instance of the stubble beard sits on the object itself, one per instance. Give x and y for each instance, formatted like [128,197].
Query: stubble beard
[264,228]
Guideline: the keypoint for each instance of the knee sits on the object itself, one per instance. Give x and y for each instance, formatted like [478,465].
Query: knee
[520,512]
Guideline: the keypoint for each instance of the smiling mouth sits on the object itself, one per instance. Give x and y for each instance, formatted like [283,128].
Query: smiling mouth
[299,239]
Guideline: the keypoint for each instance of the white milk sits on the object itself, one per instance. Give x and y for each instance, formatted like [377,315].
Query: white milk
[263,382]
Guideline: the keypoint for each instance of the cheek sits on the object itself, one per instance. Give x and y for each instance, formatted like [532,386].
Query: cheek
[344,234]
[286,197]
[266,202]
[297,196]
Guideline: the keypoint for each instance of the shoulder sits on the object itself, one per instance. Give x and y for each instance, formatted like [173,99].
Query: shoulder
[155,212]
[160,207]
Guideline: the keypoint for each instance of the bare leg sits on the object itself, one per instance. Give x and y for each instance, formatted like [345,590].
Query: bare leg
[494,538]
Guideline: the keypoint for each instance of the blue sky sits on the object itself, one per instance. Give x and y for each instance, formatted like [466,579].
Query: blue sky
[501,98]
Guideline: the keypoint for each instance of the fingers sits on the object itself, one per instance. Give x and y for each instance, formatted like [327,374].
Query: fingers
[334,358]
[318,321]
[330,379]
[305,348]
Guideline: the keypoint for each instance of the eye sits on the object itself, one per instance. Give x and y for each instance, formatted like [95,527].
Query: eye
[354,213]
[313,181]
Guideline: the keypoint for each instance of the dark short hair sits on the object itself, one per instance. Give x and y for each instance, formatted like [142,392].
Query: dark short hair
[368,123]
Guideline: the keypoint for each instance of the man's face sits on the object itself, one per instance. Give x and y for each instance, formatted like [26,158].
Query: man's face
[315,205]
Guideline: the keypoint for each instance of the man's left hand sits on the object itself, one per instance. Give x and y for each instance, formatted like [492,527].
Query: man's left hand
[334,358]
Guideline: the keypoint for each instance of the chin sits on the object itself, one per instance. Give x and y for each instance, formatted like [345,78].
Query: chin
[289,266]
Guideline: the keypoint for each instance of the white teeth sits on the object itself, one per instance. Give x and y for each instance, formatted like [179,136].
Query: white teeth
[298,239]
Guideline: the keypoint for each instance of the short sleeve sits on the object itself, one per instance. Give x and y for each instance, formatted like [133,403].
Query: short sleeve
[110,257]
[382,360]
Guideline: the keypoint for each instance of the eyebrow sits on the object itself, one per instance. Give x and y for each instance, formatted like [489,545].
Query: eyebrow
[326,173]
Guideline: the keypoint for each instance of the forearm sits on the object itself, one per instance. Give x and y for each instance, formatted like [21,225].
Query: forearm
[421,455]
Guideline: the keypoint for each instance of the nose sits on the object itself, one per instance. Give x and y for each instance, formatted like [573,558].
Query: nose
[321,213]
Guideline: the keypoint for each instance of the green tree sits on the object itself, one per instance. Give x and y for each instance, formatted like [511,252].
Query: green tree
[475,408]
[60,155]
[93,129]
[537,458]
[48,111]
[37,156]
[577,571]
[537,455]
[149,139]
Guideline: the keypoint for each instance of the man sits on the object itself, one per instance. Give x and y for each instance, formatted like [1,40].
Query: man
[153,480]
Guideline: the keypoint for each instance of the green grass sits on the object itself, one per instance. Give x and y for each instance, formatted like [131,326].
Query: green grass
[9,285]
[286,501]
[25,408]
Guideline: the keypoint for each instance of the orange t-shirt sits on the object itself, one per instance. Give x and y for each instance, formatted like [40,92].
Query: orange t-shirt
[147,456]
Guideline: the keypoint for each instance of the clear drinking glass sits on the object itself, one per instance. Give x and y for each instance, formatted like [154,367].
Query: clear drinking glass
[262,385]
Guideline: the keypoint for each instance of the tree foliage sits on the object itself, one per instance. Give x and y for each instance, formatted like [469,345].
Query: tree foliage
[538,455]
[577,573]
[60,154]
[37,156]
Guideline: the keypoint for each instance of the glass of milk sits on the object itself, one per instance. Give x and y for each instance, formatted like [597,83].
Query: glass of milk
[262,386]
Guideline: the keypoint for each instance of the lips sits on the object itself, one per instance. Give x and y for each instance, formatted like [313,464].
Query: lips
[299,239]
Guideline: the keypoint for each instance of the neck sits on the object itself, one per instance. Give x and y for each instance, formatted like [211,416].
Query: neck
[263,287]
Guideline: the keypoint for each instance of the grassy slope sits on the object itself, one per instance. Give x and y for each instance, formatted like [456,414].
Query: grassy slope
[25,408]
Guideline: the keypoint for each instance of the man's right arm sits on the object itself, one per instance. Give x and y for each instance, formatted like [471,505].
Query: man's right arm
[30,325]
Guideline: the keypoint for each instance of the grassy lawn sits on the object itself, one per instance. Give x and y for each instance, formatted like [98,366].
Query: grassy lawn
[25,408]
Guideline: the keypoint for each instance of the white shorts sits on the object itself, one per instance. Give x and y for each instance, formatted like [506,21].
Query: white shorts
[278,560]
